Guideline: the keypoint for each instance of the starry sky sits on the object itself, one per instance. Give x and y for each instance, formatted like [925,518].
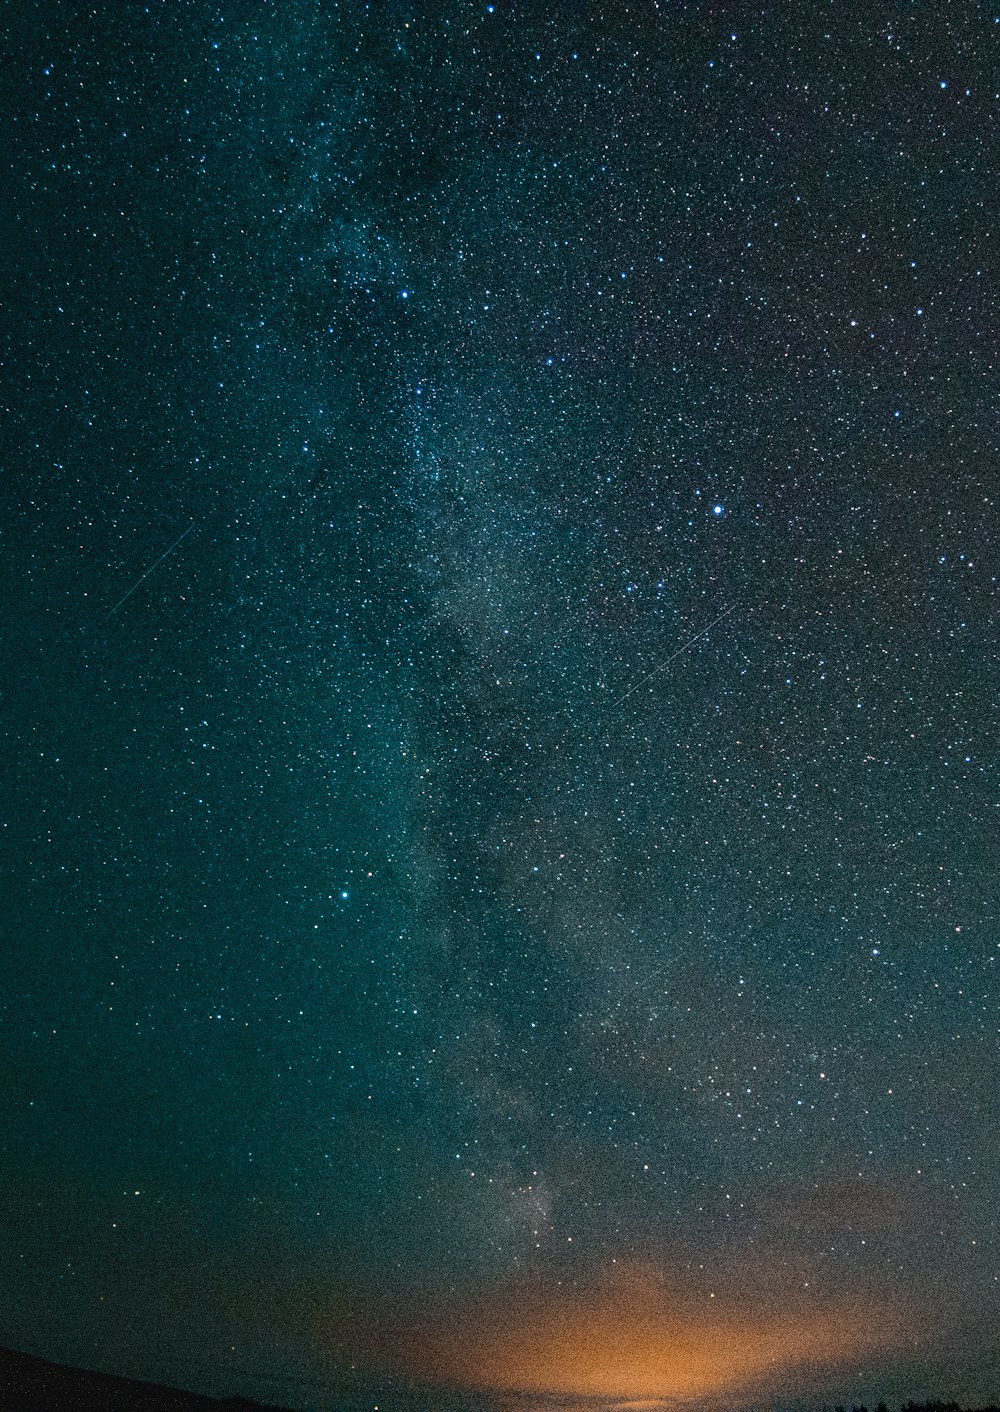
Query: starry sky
[499,698]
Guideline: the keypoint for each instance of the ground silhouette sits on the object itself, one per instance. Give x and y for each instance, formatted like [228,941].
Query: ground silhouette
[30,1384]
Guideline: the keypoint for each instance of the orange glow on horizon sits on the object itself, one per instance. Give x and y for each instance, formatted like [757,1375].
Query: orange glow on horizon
[631,1342]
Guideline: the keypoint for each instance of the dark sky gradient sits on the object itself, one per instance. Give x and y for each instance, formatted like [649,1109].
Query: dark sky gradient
[510,899]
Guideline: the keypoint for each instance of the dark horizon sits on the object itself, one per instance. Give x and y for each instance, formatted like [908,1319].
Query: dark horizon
[80,1389]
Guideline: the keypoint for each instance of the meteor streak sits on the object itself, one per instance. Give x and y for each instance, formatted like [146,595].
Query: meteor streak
[146,575]
[661,666]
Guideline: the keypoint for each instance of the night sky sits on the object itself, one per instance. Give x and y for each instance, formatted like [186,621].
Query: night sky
[500,713]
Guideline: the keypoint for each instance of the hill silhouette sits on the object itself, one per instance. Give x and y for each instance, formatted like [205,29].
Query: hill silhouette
[29,1384]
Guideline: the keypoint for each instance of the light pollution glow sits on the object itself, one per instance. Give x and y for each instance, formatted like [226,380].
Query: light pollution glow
[631,1338]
